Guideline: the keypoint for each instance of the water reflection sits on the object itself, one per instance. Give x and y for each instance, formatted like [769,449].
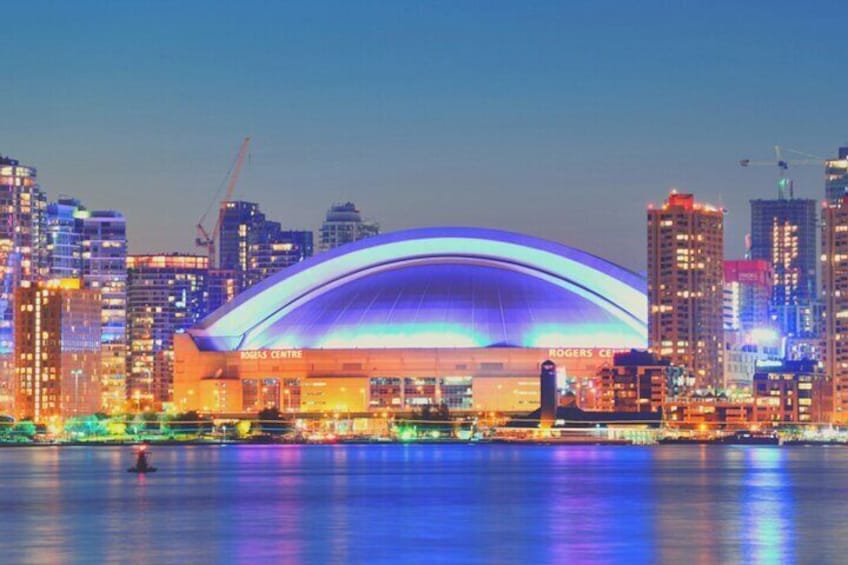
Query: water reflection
[767,507]
[393,503]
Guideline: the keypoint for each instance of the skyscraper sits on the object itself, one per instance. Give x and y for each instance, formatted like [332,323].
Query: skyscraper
[783,232]
[835,295]
[273,249]
[238,221]
[836,177]
[344,224]
[166,294]
[103,254]
[57,350]
[22,255]
[253,247]
[685,262]
[92,245]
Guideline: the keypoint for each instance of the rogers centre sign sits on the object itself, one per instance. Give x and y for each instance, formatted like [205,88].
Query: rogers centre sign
[581,353]
[273,354]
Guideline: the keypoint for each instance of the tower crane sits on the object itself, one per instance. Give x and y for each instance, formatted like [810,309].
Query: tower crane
[207,238]
[784,183]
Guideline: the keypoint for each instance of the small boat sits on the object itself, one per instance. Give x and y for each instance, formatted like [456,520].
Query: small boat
[142,462]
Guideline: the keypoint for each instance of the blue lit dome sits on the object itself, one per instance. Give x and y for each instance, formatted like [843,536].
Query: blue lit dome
[436,288]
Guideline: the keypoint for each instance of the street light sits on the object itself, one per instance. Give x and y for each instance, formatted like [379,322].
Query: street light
[76,374]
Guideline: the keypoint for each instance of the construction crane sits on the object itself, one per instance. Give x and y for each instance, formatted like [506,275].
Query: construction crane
[784,183]
[207,238]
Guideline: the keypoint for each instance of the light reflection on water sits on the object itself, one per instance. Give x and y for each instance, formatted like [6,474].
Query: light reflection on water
[395,503]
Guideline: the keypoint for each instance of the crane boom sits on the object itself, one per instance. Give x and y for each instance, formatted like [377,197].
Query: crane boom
[205,238]
[231,188]
[784,183]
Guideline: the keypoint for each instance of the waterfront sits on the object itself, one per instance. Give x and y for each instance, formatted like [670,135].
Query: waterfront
[425,503]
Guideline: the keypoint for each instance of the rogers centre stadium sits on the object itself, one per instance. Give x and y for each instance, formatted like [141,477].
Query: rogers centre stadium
[460,316]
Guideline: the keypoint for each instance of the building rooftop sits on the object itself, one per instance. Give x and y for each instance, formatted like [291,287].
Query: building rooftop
[437,287]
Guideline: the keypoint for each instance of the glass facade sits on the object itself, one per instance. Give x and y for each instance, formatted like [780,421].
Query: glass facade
[457,393]
[57,350]
[783,233]
[385,392]
[104,267]
[23,255]
[63,238]
[251,248]
[166,294]
[92,245]
[259,394]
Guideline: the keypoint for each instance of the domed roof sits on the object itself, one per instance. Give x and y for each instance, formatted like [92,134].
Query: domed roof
[437,287]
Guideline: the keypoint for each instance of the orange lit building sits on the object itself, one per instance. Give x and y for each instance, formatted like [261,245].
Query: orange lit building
[685,272]
[708,413]
[792,392]
[57,350]
[455,316]
[835,295]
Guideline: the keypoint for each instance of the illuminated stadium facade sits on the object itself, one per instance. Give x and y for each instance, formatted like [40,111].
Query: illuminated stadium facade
[440,315]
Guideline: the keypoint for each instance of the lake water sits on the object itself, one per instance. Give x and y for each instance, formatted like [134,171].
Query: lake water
[425,504]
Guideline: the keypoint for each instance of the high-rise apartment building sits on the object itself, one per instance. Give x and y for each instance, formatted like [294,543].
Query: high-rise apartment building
[344,224]
[251,247]
[836,177]
[783,233]
[166,294]
[238,221]
[22,256]
[92,245]
[835,295]
[276,249]
[57,350]
[685,264]
[103,254]
[747,293]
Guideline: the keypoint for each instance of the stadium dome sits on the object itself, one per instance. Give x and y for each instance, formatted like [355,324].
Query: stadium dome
[437,288]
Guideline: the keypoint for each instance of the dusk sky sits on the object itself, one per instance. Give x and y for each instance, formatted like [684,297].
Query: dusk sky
[557,119]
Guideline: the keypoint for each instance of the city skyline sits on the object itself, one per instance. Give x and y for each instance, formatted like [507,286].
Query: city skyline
[525,118]
[407,281]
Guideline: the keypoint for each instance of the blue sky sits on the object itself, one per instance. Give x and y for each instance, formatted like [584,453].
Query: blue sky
[558,119]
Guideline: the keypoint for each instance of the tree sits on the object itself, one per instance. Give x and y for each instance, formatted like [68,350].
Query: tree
[6,425]
[434,419]
[271,421]
[190,422]
[87,426]
[25,429]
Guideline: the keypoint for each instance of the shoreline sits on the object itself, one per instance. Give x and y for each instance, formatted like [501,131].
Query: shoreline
[356,442]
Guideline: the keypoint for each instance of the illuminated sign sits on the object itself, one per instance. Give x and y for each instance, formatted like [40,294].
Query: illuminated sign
[582,353]
[273,354]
